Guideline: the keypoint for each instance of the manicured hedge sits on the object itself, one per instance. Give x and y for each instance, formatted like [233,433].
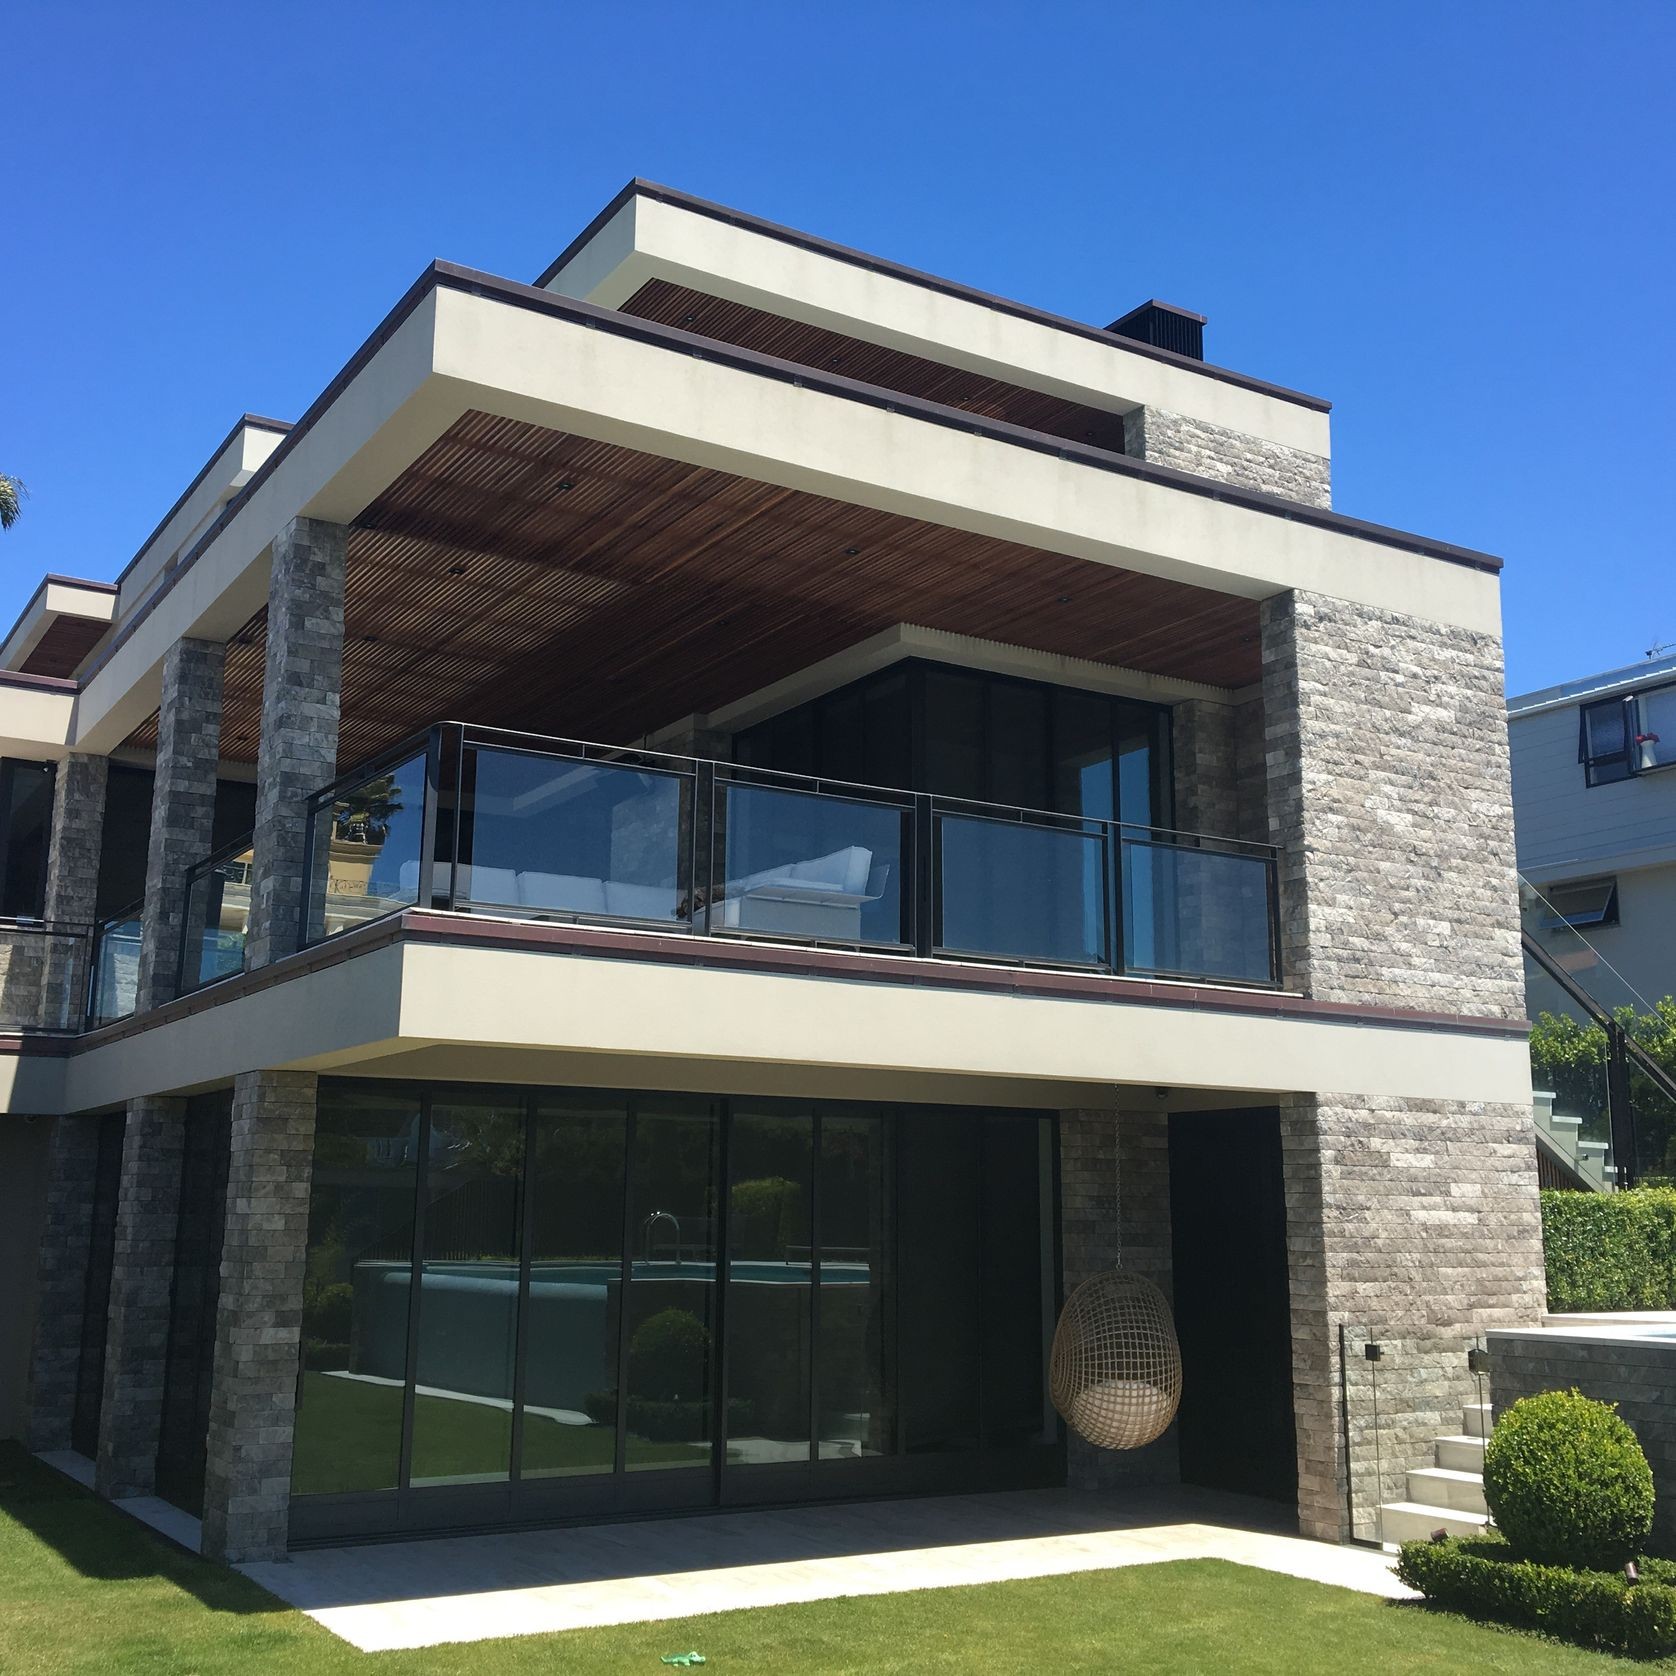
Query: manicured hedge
[1610,1250]
[1567,1483]
[1480,1577]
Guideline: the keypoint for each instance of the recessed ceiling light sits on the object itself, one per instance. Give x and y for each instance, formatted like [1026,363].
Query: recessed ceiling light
[456,570]
[850,552]
[566,486]
[1064,599]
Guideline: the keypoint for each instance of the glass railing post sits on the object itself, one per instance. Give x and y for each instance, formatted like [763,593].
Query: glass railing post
[1620,1106]
[425,894]
[926,878]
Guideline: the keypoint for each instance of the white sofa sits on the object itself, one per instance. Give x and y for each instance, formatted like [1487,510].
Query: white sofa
[565,893]
[820,899]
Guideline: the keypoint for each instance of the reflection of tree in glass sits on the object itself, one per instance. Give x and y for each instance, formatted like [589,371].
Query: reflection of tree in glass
[667,1357]
[362,816]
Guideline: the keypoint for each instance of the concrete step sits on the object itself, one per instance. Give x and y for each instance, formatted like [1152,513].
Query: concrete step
[1443,1487]
[1412,1521]
[1476,1419]
[1461,1454]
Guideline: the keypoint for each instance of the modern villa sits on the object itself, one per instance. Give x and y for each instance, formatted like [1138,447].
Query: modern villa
[608,922]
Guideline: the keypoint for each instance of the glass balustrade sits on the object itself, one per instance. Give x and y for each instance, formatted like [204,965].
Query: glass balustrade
[482,821]
[116,967]
[216,916]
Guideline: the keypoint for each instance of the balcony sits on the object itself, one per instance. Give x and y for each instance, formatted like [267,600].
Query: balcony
[475,820]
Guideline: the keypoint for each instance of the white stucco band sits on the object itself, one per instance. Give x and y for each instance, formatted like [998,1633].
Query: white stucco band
[459,350]
[651,238]
[566,1018]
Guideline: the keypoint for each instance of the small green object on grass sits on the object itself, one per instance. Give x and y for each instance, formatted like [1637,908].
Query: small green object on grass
[683,1658]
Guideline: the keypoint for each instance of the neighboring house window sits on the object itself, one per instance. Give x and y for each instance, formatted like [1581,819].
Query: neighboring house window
[1620,737]
[1586,902]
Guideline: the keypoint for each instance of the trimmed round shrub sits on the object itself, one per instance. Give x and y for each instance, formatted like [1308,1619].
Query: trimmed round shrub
[667,1356]
[1567,1483]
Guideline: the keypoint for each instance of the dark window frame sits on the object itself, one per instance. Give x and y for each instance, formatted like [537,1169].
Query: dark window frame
[1608,768]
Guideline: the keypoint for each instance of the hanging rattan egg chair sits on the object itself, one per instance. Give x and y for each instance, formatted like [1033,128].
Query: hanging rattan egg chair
[1115,1372]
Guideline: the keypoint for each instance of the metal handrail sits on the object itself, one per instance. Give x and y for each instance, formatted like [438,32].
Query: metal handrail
[189,975]
[444,843]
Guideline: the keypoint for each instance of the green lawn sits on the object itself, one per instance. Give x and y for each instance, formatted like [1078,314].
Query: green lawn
[83,1590]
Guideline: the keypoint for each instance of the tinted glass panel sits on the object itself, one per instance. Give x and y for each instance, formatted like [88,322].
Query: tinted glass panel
[954,735]
[854,1406]
[1655,733]
[1202,912]
[769,1301]
[889,733]
[938,1333]
[576,1286]
[96,1300]
[356,1290]
[1029,892]
[27,791]
[1013,1294]
[1019,770]
[468,1292]
[1082,754]
[841,746]
[573,837]
[671,1321]
[826,869]
[366,850]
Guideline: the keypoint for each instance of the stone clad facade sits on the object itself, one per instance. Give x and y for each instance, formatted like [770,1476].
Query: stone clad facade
[1246,462]
[1415,1224]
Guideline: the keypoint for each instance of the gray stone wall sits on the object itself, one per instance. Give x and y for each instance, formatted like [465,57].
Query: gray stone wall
[142,1270]
[61,1280]
[299,744]
[24,1143]
[1416,1224]
[258,1326]
[1114,1185]
[1391,801]
[1639,1377]
[182,807]
[1203,762]
[78,822]
[1251,770]
[1247,462]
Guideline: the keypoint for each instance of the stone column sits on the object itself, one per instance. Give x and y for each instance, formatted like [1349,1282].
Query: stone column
[1114,1173]
[258,1326]
[299,745]
[1232,457]
[142,1270]
[1411,1224]
[182,806]
[61,1280]
[78,825]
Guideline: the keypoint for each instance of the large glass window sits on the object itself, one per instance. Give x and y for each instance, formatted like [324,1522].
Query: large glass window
[962,733]
[545,1291]
[770,1254]
[468,1291]
[25,823]
[578,1167]
[670,1310]
[357,1290]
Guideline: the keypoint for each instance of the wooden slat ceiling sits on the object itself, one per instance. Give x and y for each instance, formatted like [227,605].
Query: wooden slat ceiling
[526,578]
[62,647]
[891,369]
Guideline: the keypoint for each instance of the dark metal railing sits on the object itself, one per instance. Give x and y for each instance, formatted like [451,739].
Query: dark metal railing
[43,965]
[471,819]
[209,948]
[114,971]
[1624,1060]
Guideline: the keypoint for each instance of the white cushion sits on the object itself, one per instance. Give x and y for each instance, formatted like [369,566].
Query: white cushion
[639,901]
[493,886]
[569,892]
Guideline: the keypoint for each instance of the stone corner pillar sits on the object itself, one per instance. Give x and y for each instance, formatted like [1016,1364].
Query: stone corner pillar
[142,1276]
[72,893]
[61,1281]
[300,705]
[182,807]
[258,1326]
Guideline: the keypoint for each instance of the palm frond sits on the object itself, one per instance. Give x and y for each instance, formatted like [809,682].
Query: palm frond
[12,493]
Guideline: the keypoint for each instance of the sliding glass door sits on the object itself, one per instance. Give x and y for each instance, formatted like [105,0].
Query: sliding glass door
[530,1304]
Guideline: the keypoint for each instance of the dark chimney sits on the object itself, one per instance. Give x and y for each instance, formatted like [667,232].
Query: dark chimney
[1164,326]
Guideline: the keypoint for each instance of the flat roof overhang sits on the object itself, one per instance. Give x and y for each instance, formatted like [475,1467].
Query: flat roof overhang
[464,350]
[63,621]
[472,998]
[654,236]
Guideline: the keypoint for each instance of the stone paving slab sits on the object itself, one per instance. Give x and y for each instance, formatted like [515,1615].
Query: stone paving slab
[385,1596]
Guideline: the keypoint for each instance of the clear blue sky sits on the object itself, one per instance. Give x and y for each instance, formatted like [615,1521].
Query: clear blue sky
[1457,221]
